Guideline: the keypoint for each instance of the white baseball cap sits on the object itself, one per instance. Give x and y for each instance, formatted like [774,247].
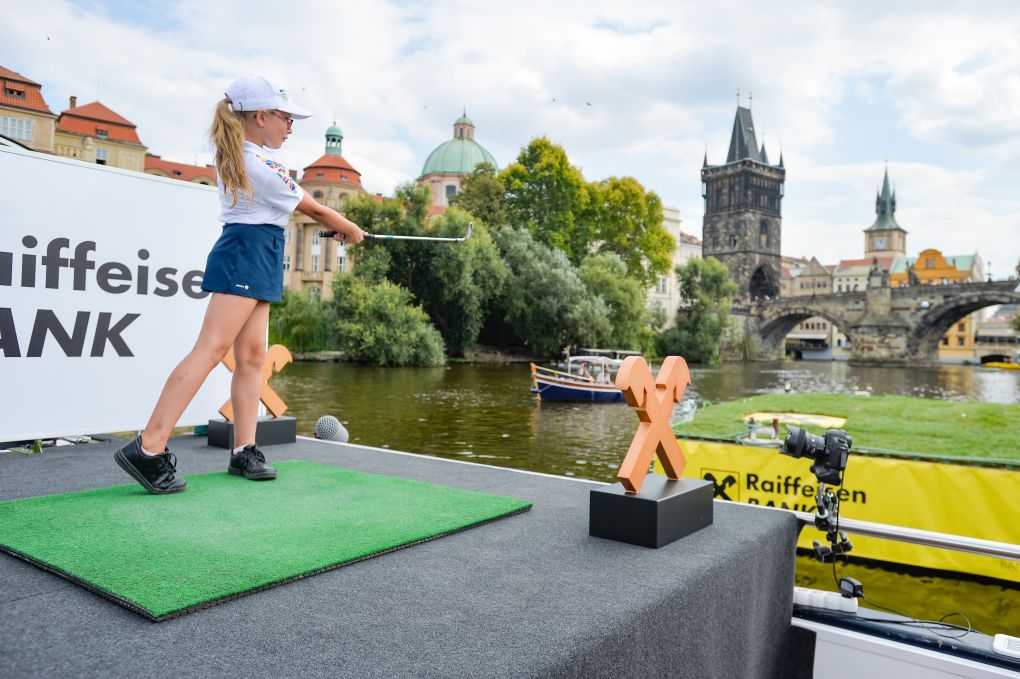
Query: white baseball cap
[254,93]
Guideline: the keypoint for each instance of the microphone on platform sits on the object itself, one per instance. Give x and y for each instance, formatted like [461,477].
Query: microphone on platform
[328,428]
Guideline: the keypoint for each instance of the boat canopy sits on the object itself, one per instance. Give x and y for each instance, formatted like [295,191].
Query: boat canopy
[616,354]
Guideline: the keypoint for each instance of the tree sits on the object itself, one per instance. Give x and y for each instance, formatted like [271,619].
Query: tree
[481,194]
[378,324]
[300,323]
[707,291]
[455,283]
[1016,321]
[606,276]
[544,305]
[546,195]
[627,220]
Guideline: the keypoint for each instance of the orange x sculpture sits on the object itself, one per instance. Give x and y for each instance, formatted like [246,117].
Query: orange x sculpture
[653,398]
[277,356]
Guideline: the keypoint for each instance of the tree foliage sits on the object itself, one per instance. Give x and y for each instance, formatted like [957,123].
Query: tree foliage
[707,291]
[455,283]
[547,195]
[377,323]
[1016,321]
[606,276]
[300,323]
[627,220]
[481,194]
[544,306]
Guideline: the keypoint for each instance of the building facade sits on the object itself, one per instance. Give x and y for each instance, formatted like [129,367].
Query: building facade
[742,226]
[310,262]
[665,296]
[447,165]
[24,115]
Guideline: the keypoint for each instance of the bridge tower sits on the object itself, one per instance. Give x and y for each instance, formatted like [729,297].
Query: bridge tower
[885,238]
[742,226]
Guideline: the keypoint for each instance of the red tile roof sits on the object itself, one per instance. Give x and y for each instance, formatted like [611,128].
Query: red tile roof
[32,99]
[87,120]
[689,239]
[332,169]
[884,262]
[167,168]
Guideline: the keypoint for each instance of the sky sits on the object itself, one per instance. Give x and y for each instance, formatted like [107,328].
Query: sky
[640,89]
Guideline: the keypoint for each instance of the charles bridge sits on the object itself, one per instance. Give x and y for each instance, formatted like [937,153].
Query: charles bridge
[883,324]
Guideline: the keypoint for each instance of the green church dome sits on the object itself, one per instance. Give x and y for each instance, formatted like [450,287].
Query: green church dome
[334,131]
[459,155]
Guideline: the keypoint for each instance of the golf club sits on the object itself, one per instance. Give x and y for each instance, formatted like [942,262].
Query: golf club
[387,236]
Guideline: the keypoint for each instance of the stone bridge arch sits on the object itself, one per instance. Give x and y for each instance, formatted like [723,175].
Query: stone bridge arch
[932,323]
[779,320]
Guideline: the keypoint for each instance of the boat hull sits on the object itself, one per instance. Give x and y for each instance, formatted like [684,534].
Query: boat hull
[547,389]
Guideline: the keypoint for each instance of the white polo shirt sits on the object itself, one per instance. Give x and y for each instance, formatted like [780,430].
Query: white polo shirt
[276,192]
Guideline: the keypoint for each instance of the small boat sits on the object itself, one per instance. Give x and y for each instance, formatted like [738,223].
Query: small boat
[585,378]
[1002,365]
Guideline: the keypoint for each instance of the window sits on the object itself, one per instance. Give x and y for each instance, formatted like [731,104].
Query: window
[959,341]
[14,92]
[102,134]
[317,195]
[451,190]
[101,156]
[314,292]
[733,241]
[961,326]
[341,257]
[287,235]
[315,262]
[16,128]
[286,262]
[178,173]
[945,341]
[661,287]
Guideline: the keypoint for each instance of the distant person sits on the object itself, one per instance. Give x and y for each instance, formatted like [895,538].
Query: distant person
[583,373]
[603,376]
[244,273]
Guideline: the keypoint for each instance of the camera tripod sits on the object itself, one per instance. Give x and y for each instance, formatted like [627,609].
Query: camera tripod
[827,520]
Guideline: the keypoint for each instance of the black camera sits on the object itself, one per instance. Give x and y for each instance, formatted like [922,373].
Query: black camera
[829,453]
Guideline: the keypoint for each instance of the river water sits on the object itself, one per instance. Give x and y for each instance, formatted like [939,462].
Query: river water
[485,413]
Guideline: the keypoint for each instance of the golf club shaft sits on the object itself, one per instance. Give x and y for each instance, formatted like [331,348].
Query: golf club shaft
[387,236]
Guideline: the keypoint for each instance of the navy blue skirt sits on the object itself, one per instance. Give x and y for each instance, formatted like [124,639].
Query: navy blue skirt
[247,260]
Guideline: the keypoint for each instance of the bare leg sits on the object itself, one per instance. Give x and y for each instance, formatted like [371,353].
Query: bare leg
[225,316]
[246,384]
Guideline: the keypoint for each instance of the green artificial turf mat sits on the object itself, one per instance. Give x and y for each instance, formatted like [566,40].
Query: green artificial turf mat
[164,555]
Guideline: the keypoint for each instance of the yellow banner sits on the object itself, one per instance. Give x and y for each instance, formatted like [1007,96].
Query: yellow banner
[977,502]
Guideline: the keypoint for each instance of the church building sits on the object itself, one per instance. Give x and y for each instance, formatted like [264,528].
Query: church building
[451,161]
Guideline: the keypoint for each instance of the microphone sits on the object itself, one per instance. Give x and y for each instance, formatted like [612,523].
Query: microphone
[328,428]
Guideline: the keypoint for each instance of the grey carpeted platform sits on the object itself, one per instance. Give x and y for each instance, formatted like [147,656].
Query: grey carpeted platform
[531,596]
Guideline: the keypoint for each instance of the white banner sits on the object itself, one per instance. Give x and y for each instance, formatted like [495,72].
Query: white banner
[100,275]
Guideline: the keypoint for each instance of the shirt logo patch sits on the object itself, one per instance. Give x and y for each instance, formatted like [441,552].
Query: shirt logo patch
[280,171]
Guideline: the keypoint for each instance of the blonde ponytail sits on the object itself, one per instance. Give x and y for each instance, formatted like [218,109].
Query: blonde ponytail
[227,135]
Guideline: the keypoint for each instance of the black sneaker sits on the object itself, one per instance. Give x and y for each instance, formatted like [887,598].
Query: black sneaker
[155,472]
[251,463]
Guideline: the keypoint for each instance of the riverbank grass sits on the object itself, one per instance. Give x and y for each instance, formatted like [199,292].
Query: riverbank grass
[883,423]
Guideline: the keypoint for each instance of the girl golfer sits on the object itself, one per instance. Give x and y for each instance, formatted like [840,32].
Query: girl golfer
[244,273]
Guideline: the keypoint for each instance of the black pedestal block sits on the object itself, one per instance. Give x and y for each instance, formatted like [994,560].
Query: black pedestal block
[664,511]
[269,431]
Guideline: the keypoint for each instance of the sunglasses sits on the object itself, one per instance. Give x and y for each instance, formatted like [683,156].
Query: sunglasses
[284,117]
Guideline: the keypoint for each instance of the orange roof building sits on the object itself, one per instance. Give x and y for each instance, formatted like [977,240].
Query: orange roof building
[24,115]
[199,174]
[309,262]
[95,134]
